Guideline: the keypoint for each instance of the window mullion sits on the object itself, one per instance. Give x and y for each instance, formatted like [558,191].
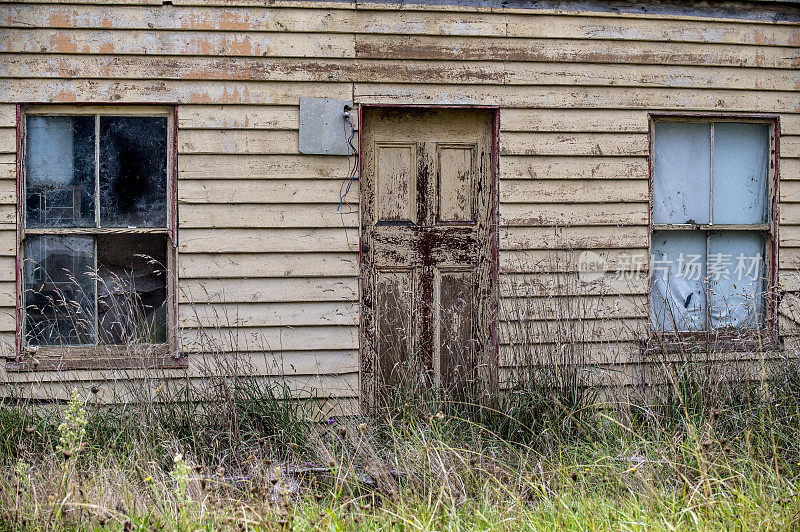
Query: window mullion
[96,223]
[711,192]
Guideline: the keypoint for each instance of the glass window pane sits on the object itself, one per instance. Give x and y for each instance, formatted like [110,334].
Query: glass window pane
[133,171]
[59,290]
[736,272]
[59,171]
[741,158]
[132,288]
[681,173]
[677,286]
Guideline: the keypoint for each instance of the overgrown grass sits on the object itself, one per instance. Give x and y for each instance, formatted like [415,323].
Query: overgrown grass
[665,466]
[688,443]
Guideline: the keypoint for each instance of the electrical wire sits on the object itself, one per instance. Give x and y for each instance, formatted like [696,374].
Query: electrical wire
[343,196]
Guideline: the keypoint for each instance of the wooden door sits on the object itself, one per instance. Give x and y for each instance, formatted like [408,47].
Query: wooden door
[429,260]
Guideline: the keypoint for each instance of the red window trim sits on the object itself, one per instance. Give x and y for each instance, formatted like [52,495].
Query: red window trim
[772,297]
[171,358]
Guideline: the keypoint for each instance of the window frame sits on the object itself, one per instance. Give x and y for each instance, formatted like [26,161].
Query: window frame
[88,357]
[768,335]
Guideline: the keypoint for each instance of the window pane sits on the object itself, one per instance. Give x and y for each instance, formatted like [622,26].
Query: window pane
[59,171]
[133,171]
[132,288]
[59,290]
[681,173]
[677,286]
[741,155]
[737,279]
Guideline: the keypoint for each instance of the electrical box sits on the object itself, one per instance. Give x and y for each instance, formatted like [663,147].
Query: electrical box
[323,129]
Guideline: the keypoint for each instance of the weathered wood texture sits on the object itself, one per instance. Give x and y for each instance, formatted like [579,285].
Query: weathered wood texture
[268,267]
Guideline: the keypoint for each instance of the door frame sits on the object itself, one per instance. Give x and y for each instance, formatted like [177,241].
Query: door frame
[365,403]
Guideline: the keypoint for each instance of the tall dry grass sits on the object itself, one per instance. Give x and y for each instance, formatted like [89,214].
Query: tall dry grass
[683,445]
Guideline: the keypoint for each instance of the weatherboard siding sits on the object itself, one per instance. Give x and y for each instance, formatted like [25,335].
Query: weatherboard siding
[268,267]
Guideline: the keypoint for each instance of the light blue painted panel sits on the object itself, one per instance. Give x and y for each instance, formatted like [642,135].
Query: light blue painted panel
[741,156]
[681,173]
[678,271]
[736,279]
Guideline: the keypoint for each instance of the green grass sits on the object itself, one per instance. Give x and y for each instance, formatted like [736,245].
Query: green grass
[253,463]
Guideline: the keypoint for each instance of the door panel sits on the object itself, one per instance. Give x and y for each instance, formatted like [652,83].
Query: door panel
[395,179]
[394,339]
[456,354]
[455,191]
[429,260]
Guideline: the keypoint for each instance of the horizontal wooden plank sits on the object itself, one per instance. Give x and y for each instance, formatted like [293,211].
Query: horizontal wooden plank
[25,65]
[167,91]
[625,261]
[789,213]
[565,214]
[206,366]
[258,142]
[8,292]
[247,339]
[265,290]
[292,314]
[119,391]
[238,117]
[790,146]
[8,140]
[518,238]
[789,236]
[262,216]
[790,169]
[592,353]
[8,115]
[567,50]
[8,213]
[8,194]
[573,120]
[574,144]
[404,22]
[315,240]
[718,100]
[276,363]
[8,240]
[263,166]
[148,42]
[311,240]
[573,307]
[573,190]
[586,330]
[266,191]
[789,192]
[8,167]
[548,167]
[571,284]
[7,270]
[253,265]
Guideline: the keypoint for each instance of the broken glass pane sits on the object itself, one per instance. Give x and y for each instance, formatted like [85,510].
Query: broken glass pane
[736,272]
[59,290]
[677,280]
[133,171]
[132,288]
[681,173]
[59,171]
[741,155]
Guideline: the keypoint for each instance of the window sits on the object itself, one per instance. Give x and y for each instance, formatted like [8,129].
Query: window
[95,231]
[712,231]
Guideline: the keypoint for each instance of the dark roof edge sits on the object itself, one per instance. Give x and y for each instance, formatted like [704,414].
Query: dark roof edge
[764,10]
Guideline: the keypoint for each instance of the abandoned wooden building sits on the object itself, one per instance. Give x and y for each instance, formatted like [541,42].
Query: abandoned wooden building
[330,189]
